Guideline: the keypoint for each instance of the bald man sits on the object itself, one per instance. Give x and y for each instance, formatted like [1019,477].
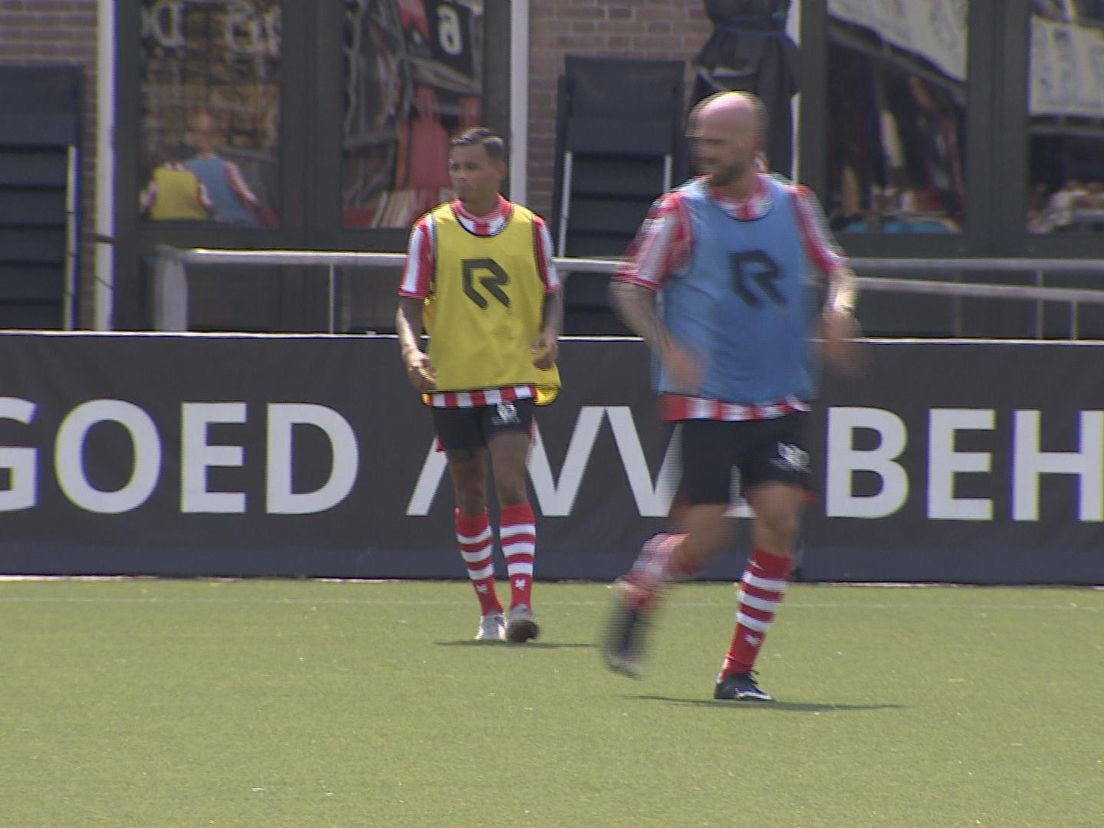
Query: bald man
[729,253]
[234,202]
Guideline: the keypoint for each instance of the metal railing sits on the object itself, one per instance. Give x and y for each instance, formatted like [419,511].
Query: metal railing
[171,277]
[1039,292]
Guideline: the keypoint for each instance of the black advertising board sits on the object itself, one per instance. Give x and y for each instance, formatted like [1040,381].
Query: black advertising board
[309,456]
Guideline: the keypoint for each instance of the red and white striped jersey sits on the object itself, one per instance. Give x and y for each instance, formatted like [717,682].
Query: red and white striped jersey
[676,407]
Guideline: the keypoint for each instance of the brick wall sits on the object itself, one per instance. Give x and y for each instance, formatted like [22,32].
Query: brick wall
[62,33]
[639,29]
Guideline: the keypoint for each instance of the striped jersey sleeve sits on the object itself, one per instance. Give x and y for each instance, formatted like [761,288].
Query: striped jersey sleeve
[238,184]
[662,245]
[820,247]
[545,266]
[418,272]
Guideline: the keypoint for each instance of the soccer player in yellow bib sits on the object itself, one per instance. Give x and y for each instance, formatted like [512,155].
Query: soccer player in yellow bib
[479,277]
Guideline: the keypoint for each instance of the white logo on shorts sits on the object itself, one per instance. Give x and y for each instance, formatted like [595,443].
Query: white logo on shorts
[792,457]
[506,414]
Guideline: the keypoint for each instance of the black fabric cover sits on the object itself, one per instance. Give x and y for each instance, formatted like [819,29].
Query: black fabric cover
[749,51]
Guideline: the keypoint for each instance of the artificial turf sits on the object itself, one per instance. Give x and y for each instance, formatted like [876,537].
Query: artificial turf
[303,703]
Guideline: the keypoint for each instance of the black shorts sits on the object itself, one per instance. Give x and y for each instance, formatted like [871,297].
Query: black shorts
[763,450]
[468,428]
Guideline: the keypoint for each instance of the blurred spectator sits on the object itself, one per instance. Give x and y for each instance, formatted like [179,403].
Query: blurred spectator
[174,193]
[1088,207]
[1037,218]
[234,202]
[1059,211]
[937,126]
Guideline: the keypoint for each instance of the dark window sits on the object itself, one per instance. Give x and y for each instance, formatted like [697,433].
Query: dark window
[1066,118]
[897,116]
[210,111]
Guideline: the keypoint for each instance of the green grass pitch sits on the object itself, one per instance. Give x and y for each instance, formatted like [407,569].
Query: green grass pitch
[303,703]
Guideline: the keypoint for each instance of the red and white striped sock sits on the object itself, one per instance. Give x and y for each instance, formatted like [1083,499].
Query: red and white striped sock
[518,536]
[761,591]
[659,563]
[477,549]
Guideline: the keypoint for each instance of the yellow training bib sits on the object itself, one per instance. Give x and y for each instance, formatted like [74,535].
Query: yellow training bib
[484,307]
[177,196]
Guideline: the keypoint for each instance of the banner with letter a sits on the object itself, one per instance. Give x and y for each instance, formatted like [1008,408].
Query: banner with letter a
[310,456]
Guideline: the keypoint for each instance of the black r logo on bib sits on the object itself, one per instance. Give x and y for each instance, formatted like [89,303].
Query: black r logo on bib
[755,266]
[493,281]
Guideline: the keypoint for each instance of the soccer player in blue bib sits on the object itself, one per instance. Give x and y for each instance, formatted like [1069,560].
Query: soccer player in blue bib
[716,284]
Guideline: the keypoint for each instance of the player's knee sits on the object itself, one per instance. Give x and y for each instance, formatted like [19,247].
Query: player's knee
[470,496]
[512,493]
[781,528]
[510,482]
